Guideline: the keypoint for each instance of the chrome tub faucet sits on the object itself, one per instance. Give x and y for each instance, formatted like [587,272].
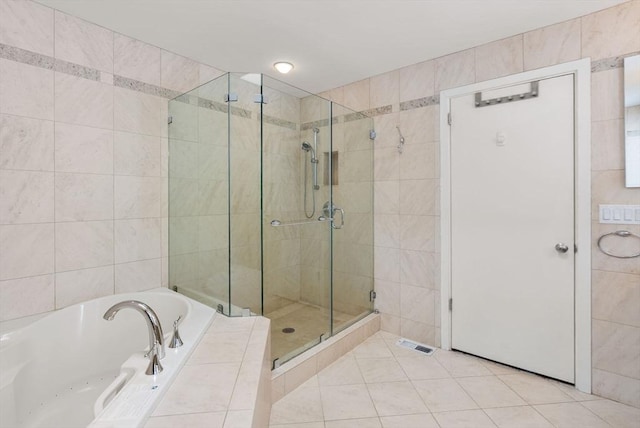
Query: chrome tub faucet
[156,337]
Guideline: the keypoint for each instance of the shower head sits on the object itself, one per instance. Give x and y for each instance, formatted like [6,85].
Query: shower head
[306,147]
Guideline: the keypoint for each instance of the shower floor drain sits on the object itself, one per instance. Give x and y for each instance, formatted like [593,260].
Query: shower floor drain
[288,330]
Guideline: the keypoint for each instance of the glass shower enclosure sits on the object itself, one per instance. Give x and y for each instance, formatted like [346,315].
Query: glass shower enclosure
[271,207]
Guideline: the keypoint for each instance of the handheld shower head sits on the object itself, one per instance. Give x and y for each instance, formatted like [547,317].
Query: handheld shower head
[307,147]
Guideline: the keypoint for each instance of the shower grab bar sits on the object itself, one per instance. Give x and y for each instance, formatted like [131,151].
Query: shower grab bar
[278,223]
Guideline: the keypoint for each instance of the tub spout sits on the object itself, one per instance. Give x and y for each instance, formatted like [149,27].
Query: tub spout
[156,337]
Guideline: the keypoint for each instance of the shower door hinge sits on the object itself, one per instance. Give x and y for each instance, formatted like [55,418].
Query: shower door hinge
[170,120]
[260,99]
[230,97]
[372,295]
[372,134]
[450,304]
[449,118]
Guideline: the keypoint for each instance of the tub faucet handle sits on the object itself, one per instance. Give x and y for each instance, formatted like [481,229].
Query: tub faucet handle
[176,341]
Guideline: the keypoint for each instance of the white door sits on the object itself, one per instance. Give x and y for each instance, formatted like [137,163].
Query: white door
[512,204]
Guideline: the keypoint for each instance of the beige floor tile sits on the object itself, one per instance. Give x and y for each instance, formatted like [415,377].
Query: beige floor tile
[401,351]
[489,391]
[385,335]
[300,405]
[352,423]
[464,419]
[617,414]
[312,382]
[424,420]
[534,389]
[422,368]
[442,395]
[346,402]
[238,419]
[381,370]
[344,371]
[517,417]
[572,392]
[372,348]
[499,369]
[570,415]
[461,365]
[396,398]
[301,425]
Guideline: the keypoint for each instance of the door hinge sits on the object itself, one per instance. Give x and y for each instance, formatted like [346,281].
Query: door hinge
[450,304]
[260,99]
[372,295]
[230,97]
[170,120]
[449,118]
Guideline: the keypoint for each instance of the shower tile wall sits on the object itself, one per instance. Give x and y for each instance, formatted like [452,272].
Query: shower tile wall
[407,248]
[83,159]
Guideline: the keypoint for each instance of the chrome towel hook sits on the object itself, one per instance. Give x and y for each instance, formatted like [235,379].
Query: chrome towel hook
[622,234]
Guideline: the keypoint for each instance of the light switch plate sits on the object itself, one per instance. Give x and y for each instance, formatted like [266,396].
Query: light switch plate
[620,214]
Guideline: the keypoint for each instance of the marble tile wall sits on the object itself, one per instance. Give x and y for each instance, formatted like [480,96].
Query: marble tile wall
[83,159]
[407,248]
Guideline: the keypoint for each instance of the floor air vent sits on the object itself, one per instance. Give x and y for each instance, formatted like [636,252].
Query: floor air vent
[418,347]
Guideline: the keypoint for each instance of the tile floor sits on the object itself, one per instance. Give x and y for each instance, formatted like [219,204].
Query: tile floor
[379,384]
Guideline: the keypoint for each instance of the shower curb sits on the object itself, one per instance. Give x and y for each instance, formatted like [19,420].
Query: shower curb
[297,371]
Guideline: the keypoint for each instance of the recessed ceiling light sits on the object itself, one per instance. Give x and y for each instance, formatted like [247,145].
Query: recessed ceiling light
[283,67]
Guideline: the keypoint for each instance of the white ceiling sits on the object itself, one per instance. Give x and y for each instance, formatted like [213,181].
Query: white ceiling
[331,42]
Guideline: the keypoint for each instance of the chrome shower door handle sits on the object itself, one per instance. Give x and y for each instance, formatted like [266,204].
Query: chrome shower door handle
[333,220]
[561,248]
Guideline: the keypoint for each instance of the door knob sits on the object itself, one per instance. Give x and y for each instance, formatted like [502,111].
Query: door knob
[561,248]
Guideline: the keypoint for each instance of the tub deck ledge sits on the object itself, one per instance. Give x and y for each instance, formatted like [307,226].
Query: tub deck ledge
[225,383]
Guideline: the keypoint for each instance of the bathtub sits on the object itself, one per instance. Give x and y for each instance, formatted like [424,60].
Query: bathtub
[72,368]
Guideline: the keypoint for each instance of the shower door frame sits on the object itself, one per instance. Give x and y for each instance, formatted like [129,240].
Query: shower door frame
[581,69]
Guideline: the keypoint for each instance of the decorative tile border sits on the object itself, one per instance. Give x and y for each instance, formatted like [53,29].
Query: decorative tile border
[26,57]
[77,70]
[356,116]
[147,88]
[378,111]
[212,105]
[280,122]
[44,61]
[420,102]
[315,124]
[610,63]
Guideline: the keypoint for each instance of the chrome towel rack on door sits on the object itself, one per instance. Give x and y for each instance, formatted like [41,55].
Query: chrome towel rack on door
[278,223]
[622,234]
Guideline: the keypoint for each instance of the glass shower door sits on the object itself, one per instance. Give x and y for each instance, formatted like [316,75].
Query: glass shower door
[296,138]
[353,225]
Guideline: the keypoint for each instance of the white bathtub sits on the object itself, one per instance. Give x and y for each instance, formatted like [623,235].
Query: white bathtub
[72,368]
